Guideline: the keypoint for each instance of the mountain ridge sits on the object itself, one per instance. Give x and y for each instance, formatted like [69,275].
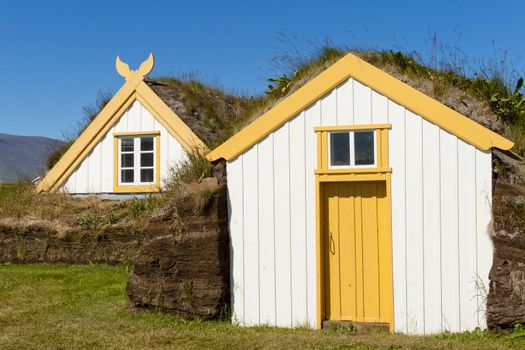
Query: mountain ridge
[24,157]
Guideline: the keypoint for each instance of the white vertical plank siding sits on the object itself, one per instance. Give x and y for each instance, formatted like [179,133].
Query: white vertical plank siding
[396,115]
[95,173]
[94,164]
[449,232]
[122,124]
[431,228]
[379,108]
[106,174]
[362,103]
[171,154]
[283,281]
[298,220]
[328,110]
[82,178]
[266,230]
[312,119]
[441,197]
[345,103]
[414,223]
[71,184]
[145,122]
[467,234]
[251,237]
[165,164]
[134,117]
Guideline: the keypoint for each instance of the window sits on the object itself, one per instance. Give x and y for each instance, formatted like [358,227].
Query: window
[136,160]
[352,148]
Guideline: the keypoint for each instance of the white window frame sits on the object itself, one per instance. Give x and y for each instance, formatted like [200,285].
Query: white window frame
[136,160]
[351,149]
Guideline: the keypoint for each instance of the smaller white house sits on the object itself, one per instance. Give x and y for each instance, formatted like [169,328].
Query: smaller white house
[129,147]
[358,198]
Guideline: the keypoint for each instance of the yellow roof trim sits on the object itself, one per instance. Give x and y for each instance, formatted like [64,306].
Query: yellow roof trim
[351,66]
[134,89]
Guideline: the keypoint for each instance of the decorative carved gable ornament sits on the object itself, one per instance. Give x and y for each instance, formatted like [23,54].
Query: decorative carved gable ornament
[144,69]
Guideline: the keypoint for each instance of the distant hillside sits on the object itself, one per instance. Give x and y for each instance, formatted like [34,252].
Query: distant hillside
[24,156]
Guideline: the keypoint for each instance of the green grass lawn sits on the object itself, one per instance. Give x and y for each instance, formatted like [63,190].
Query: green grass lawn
[78,307]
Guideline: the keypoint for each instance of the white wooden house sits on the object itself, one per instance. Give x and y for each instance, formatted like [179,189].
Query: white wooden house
[359,198]
[129,147]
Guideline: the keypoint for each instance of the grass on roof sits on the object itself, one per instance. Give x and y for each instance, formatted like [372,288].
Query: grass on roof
[212,113]
[495,104]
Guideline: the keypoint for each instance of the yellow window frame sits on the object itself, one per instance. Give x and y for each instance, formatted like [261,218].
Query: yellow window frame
[118,188]
[381,150]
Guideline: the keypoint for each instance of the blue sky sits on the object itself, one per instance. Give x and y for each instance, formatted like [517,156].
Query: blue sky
[55,56]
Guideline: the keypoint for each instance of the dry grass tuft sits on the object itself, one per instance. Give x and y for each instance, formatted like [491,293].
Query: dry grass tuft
[193,168]
[201,200]
[21,202]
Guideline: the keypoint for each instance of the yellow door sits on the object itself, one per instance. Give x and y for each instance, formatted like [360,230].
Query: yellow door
[357,251]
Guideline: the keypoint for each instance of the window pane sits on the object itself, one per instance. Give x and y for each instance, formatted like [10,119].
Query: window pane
[126,144]
[146,143]
[364,148]
[340,148]
[146,159]
[146,175]
[126,160]
[126,176]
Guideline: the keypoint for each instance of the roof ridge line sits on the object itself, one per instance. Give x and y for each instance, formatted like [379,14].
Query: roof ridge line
[394,89]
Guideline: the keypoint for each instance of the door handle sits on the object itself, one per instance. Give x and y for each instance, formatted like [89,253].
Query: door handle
[332,244]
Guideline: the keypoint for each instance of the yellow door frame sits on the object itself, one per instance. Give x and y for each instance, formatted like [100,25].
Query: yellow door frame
[323,173]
